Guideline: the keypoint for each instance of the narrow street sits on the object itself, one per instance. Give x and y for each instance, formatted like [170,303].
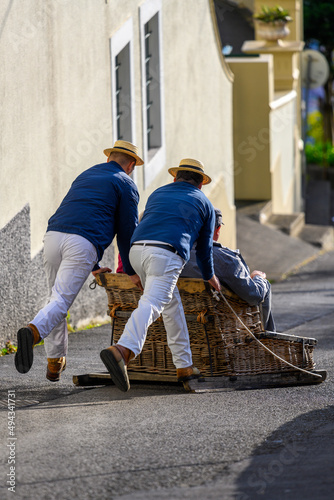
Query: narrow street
[156,441]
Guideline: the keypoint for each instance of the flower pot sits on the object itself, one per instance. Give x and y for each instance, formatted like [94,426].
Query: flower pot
[272,31]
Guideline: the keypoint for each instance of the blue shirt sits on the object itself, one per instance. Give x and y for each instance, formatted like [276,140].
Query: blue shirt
[233,273]
[101,203]
[180,214]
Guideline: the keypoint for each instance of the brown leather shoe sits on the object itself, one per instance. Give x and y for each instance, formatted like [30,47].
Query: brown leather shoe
[188,373]
[126,354]
[54,368]
[116,359]
[27,338]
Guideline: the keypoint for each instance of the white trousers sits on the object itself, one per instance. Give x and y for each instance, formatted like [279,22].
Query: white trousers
[68,261]
[159,270]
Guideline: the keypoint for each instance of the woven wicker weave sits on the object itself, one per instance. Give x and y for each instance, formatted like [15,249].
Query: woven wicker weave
[220,345]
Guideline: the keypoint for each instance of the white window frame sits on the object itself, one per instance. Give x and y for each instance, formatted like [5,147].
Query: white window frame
[155,164]
[118,41]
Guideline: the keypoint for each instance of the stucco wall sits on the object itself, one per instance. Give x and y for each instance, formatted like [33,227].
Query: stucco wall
[285,174]
[56,107]
[56,86]
[253,91]
[198,94]
[23,287]
[198,89]
[266,135]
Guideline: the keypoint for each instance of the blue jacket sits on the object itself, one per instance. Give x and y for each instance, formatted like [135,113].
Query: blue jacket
[101,202]
[180,214]
[233,272]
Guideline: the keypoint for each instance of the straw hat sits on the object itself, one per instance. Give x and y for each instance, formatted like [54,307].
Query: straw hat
[193,166]
[127,148]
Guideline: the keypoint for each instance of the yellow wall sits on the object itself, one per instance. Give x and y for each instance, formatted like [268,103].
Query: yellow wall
[253,90]
[266,136]
[267,118]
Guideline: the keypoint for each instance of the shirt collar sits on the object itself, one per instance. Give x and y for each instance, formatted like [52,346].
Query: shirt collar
[115,164]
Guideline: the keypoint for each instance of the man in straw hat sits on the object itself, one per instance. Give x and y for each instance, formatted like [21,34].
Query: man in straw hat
[233,273]
[101,202]
[175,216]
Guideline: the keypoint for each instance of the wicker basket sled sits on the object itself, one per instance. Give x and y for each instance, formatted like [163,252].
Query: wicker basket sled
[222,348]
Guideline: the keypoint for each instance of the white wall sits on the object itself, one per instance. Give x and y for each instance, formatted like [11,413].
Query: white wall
[56,98]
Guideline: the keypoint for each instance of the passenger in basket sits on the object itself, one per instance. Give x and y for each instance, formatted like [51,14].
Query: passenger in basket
[233,273]
[176,215]
[101,202]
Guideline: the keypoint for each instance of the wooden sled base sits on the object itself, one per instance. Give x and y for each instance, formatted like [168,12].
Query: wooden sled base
[259,381]
[212,384]
[103,378]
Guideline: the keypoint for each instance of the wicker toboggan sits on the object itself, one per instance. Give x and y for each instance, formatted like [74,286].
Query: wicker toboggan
[220,344]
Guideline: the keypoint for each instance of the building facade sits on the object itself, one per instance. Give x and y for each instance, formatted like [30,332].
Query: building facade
[79,74]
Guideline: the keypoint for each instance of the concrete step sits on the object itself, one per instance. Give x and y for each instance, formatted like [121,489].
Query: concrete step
[270,250]
[291,224]
[259,211]
[262,212]
[319,236]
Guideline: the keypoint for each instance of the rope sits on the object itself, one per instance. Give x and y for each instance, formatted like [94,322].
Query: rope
[259,342]
[209,349]
[93,284]
[201,317]
[112,313]
[112,330]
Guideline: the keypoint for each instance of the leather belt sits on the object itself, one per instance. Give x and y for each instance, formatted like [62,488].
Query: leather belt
[160,245]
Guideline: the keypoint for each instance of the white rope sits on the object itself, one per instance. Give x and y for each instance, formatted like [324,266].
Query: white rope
[259,342]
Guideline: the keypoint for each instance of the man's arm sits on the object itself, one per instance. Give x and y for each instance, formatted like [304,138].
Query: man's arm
[258,273]
[233,272]
[214,281]
[127,220]
[126,224]
[204,251]
[101,270]
[136,280]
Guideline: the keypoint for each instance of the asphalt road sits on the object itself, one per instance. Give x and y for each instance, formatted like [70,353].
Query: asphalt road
[158,442]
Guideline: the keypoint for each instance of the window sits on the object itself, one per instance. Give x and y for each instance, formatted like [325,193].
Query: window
[152,89]
[123,95]
[152,83]
[122,82]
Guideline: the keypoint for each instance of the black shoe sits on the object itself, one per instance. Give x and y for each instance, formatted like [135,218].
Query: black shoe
[24,356]
[117,369]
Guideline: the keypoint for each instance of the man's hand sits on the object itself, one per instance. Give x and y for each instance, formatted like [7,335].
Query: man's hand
[136,280]
[258,273]
[214,281]
[101,270]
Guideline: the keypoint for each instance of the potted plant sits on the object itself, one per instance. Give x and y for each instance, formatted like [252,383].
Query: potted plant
[272,23]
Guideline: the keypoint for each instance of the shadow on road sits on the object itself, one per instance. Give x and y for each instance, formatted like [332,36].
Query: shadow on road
[295,462]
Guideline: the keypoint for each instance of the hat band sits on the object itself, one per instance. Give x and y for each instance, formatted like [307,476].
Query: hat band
[125,149]
[192,166]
